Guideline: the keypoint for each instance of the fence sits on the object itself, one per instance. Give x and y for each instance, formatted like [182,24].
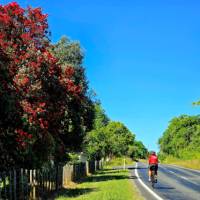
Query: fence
[24,184]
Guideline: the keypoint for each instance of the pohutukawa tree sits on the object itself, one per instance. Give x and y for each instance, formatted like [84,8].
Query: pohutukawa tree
[34,90]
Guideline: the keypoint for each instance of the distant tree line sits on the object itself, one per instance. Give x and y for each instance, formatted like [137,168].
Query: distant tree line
[182,137]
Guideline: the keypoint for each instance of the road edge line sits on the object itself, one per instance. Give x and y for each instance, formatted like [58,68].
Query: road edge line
[145,186]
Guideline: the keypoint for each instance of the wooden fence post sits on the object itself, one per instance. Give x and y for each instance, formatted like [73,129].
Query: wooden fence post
[15,184]
[30,179]
[0,184]
[27,181]
[22,182]
[87,168]
[56,178]
[4,183]
[34,183]
[30,184]
[10,185]
[63,180]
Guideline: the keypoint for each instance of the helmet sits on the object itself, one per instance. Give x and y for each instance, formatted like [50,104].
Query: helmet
[153,153]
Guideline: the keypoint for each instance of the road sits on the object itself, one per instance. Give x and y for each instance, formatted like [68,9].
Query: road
[174,183]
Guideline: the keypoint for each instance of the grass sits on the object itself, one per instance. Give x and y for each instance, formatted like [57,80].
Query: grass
[119,162]
[104,185]
[188,163]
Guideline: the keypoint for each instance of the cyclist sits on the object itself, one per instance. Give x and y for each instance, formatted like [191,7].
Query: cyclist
[153,164]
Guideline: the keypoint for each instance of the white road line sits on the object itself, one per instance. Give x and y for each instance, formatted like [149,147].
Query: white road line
[183,177]
[177,175]
[187,179]
[145,186]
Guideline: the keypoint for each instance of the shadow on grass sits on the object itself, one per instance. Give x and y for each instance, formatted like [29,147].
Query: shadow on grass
[129,168]
[109,169]
[106,177]
[109,172]
[122,168]
[132,177]
[100,176]
[74,192]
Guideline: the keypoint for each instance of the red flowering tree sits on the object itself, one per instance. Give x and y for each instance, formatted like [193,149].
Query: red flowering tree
[34,90]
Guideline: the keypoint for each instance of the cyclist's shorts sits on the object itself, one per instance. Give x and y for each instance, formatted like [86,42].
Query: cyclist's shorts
[153,167]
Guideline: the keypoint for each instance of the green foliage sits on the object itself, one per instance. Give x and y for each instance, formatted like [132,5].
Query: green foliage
[68,52]
[79,118]
[138,150]
[73,158]
[111,140]
[182,137]
[120,138]
[97,144]
[96,141]
[197,103]
[100,118]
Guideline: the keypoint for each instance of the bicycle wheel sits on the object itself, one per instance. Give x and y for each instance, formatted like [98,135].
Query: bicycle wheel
[152,178]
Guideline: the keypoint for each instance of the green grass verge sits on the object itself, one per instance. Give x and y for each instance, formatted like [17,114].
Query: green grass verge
[104,185]
[118,162]
[188,163]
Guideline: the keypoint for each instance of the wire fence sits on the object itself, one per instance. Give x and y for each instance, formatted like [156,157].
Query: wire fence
[36,184]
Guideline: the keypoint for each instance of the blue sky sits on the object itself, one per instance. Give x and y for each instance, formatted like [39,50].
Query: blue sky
[142,57]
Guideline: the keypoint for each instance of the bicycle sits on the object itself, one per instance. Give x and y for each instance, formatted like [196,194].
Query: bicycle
[153,179]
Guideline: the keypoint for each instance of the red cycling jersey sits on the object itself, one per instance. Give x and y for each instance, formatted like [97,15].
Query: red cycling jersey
[153,159]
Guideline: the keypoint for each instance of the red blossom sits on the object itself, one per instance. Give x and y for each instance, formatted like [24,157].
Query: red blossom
[69,72]
[33,72]
[42,104]
[4,18]
[43,123]
[13,5]
[22,138]
[22,80]
[26,36]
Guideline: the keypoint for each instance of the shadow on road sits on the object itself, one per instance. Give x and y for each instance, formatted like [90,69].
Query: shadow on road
[132,177]
[164,188]
[142,167]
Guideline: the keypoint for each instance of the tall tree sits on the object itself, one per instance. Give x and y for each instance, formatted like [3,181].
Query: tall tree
[37,92]
[137,150]
[120,137]
[100,117]
[80,114]
[111,140]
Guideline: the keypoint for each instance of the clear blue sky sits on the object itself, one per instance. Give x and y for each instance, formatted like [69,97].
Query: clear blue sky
[142,57]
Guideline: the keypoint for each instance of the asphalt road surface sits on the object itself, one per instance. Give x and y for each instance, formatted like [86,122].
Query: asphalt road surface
[174,183]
